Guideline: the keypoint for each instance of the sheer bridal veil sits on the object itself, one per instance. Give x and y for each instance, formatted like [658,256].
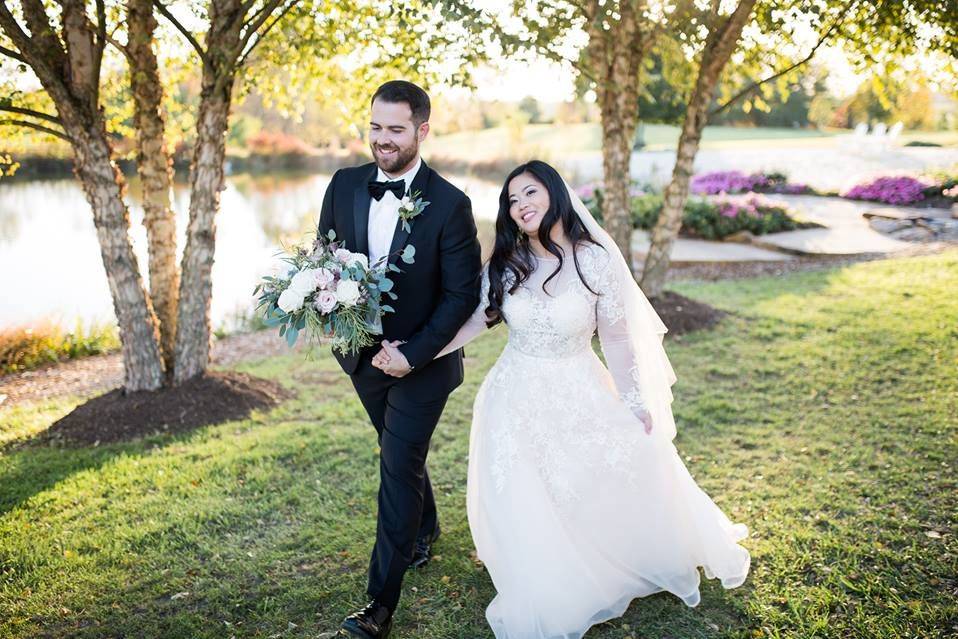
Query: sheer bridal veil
[646,330]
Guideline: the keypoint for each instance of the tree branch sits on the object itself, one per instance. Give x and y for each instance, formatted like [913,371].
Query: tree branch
[101,28]
[34,114]
[262,34]
[755,85]
[99,46]
[257,21]
[119,46]
[179,27]
[47,62]
[15,32]
[42,34]
[38,127]
[10,53]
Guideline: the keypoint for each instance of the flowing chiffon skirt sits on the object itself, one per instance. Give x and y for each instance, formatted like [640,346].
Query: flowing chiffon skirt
[575,510]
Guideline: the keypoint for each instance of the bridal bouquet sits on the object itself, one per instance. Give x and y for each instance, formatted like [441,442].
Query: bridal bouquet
[330,293]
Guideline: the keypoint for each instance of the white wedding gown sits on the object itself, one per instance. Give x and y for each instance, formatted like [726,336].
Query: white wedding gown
[574,509]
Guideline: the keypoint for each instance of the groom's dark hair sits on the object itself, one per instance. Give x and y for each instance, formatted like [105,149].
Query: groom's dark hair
[403,91]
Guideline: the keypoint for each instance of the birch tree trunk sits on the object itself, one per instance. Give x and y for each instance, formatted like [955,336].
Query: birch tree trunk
[103,184]
[618,129]
[614,58]
[718,49]
[206,183]
[154,166]
[68,66]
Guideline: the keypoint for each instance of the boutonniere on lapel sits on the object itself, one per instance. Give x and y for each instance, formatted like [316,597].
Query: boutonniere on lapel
[410,206]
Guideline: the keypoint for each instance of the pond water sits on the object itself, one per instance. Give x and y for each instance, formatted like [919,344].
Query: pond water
[50,264]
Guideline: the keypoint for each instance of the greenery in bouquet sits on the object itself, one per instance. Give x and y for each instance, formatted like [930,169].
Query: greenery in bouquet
[331,293]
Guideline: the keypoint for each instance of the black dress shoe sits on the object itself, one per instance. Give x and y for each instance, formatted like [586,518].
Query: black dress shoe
[422,553]
[372,622]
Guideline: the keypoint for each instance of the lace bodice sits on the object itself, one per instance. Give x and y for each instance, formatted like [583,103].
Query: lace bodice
[559,322]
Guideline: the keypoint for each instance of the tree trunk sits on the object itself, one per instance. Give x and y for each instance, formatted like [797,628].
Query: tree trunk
[719,47]
[676,194]
[139,334]
[206,181]
[615,56]
[70,76]
[617,131]
[154,166]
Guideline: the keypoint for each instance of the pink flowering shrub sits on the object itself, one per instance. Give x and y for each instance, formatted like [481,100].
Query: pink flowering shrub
[900,189]
[711,219]
[719,182]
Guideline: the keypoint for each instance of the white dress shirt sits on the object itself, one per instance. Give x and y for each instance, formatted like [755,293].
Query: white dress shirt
[383,217]
[384,214]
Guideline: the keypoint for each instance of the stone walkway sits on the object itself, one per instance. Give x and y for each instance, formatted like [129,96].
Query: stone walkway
[689,250]
[846,231]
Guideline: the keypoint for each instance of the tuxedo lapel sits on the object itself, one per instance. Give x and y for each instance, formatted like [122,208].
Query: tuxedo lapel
[400,235]
[361,199]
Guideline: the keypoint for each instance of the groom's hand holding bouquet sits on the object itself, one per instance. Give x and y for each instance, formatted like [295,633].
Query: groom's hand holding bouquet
[331,293]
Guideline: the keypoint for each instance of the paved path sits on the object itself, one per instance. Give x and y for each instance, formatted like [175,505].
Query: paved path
[847,231]
[689,250]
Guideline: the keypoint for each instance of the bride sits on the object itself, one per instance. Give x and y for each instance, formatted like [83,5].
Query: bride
[577,499]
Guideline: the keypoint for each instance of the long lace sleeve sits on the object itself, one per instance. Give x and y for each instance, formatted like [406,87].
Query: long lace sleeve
[476,323]
[614,337]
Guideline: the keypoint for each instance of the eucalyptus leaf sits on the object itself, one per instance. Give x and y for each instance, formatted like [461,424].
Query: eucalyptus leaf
[291,336]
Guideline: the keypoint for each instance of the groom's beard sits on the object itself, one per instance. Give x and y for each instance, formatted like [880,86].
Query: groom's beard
[397,162]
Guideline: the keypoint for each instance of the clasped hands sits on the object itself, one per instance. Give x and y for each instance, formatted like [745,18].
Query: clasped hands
[390,359]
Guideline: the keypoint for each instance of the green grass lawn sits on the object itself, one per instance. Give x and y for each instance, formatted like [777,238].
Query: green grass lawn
[554,141]
[822,413]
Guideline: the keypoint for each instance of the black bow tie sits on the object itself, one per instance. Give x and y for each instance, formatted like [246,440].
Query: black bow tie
[378,189]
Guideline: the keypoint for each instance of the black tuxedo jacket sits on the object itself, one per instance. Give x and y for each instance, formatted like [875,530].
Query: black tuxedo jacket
[437,293]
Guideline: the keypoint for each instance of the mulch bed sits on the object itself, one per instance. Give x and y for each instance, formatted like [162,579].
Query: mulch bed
[683,315]
[210,398]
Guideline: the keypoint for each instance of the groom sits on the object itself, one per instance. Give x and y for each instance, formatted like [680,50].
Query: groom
[435,296]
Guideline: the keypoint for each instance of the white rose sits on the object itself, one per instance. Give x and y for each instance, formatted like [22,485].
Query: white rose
[359,258]
[304,282]
[290,300]
[347,293]
[343,255]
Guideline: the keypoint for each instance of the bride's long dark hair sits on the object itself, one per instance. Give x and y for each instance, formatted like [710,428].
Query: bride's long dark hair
[512,259]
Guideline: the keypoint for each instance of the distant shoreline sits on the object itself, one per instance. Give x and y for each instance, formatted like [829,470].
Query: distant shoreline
[38,169]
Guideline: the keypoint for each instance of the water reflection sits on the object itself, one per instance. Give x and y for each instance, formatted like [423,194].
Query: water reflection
[50,258]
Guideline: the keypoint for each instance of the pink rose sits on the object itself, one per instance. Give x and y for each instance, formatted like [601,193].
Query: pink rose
[324,277]
[325,301]
[343,255]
